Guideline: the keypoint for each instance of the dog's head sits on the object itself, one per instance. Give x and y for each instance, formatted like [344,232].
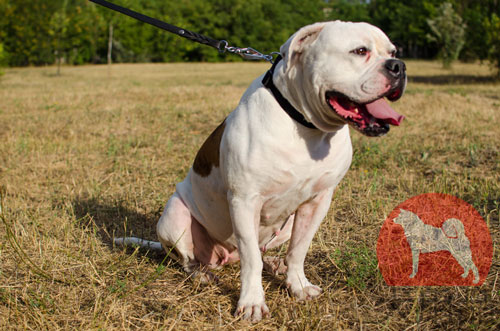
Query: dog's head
[404,217]
[343,72]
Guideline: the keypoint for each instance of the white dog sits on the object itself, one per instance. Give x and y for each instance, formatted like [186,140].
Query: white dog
[425,238]
[267,173]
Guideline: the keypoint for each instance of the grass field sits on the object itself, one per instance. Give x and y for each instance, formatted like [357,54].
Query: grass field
[86,156]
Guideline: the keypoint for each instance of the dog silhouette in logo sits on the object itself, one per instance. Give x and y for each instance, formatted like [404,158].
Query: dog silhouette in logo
[425,238]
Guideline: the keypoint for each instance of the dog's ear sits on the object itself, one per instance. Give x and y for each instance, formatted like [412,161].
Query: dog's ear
[300,40]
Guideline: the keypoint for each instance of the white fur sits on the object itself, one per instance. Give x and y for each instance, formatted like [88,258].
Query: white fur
[272,169]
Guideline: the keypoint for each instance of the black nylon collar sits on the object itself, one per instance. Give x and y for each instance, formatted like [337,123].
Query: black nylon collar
[284,103]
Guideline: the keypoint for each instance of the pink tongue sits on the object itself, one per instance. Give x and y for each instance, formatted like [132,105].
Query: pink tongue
[380,109]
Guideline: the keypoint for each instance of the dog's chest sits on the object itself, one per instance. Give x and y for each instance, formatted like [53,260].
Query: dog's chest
[281,201]
[298,182]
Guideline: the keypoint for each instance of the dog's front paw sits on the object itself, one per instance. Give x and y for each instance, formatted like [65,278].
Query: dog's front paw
[307,292]
[252,311]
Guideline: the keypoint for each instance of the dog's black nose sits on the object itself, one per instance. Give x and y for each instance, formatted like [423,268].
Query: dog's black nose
[395,67]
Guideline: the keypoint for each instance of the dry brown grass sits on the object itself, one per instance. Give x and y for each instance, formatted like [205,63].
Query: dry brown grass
[84,157]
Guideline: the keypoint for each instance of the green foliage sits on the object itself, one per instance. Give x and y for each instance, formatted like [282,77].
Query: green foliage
[448,31]
[405,22]
[476,46]
[76,31]
[348,10]
[492,27]
[58,30]
[3,58]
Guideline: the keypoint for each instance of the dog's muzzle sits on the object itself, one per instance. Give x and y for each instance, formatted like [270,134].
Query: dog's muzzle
[373,118]
[395,71]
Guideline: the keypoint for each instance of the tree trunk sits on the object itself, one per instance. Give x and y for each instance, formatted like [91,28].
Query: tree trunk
[58,57]
[110,47]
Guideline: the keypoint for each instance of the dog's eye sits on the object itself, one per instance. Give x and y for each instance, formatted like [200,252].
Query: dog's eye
[360,51]
[393,53]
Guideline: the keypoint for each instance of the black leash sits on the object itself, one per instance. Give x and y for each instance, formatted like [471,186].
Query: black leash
[221,45]
[162,25]
[284,103]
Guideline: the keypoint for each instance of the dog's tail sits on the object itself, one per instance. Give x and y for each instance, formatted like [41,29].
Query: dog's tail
[453,228]
[133,241]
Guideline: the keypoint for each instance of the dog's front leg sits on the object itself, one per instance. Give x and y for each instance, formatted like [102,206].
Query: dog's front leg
[245,219]
[307,220]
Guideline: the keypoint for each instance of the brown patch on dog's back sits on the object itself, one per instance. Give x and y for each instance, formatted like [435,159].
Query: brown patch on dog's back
[208,155]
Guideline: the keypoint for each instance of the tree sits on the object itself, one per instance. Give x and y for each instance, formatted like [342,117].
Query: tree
[405,22]
[3,58]
[58,28]
[349,10]
[448,31]
[24,25]
[83,32]
[476,45]
[77,31]
[492,26]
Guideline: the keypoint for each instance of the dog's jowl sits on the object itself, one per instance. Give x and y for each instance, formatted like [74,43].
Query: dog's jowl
[266,175]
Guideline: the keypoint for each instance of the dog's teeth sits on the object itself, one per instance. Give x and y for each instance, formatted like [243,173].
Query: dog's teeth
[356,110]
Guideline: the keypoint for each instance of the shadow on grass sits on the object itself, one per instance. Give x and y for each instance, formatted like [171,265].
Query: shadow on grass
[114,219]
[452,79]
[111,219]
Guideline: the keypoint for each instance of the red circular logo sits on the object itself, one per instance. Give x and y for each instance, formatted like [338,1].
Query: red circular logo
[434,239]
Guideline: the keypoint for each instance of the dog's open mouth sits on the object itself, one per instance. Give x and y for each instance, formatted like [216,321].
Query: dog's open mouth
[371,119]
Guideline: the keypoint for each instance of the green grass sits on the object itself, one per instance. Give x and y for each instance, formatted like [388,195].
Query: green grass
[358,263]
[85,156]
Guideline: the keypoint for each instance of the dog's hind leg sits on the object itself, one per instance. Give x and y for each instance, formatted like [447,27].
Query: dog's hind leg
[465,261]
[415,252]
[174,230]
[274,264]
[475,272]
